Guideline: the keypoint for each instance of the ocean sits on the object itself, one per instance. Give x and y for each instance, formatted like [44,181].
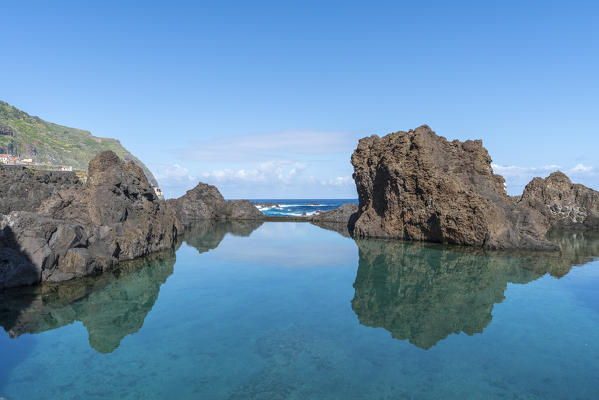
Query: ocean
[298,207]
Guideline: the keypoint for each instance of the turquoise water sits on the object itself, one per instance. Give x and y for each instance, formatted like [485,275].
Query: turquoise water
[293,311]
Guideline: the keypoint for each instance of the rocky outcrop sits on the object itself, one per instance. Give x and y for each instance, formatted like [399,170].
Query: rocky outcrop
[339,215]
[204,202]
[115,216]
[337,219]
[24,189]
[416,185]
[563,203]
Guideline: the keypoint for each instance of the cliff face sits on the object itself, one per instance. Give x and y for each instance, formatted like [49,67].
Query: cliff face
[562,203]
[205,202]
[416,185]
[28,136]
[115,216]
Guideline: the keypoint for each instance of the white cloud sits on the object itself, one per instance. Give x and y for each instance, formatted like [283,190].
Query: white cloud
[273,172]
[173,172]
[581,168]
[516,171]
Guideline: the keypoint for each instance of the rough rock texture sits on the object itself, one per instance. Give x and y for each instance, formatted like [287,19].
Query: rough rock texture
[339,215]
[205,202]
[24,189]
[337,219]
[115,216]
[423,292]
[564,204]
[419,186]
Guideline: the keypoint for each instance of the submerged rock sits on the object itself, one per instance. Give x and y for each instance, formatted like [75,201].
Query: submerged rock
[205,202]
[563,203]
[416,185]
[115,216]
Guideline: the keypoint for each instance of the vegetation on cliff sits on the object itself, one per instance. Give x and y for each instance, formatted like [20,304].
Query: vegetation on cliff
[43,142]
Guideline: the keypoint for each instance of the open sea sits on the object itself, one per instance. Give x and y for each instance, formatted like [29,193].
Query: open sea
[298,207]
[288,310]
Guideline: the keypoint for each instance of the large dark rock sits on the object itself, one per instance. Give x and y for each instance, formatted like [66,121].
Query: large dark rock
[115,216]
[205,202]
[336,220]
[339,215]
[24,189]
[419,186]
[563,203]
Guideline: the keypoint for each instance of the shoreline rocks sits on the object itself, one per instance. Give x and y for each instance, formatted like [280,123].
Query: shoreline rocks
[417,185]
[206,202]
[88,229]
[565,205]
[24,189]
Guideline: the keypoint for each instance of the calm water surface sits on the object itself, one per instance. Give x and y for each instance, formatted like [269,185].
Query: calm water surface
[293,311]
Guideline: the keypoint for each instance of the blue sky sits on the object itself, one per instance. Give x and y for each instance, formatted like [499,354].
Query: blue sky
[268,99]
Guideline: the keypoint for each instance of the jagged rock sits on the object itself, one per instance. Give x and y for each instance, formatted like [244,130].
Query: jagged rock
[24,189]
[205,202]
[339,215]
[243,210]
[115,216]
[337,219]
[564,204]
[419,186]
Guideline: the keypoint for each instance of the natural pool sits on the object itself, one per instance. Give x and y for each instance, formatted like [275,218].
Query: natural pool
[293,311]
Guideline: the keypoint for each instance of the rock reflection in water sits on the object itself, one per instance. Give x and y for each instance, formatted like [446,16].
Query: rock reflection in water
[111,305]
[206,235]
[425,292]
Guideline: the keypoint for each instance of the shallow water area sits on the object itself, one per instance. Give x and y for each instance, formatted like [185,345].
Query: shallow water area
[250,310]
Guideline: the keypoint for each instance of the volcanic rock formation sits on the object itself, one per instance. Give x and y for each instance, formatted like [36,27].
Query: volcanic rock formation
[205,202]
[115,216]
[24,189]
[419,186]
[564,204]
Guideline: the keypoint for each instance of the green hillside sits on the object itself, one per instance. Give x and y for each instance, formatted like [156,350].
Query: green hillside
[27,136]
